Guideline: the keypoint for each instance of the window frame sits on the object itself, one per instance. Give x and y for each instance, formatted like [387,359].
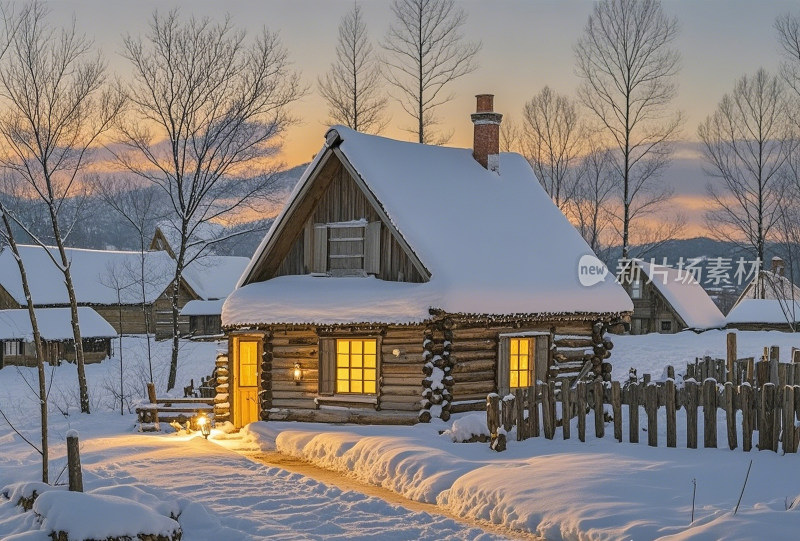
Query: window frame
[328,366]
[637,288]
[666,325]
[318,254]
[538,361]
[19,350]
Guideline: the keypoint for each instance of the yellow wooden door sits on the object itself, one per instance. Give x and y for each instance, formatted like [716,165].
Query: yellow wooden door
[245,393]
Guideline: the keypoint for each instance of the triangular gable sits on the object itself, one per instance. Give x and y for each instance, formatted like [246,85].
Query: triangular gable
[160,243]
[685,296]
[289,225]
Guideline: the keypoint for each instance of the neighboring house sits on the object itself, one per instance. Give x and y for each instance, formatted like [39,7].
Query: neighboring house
[204,318]
[55,327]
[107,281]
[667,300]
[403,282]
[770,301]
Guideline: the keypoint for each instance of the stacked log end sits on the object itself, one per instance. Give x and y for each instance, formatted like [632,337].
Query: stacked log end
[572,352]
[222,406]
[428,367]
[438,382]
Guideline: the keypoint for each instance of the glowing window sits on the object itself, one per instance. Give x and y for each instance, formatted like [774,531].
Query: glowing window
[356,366]
[519,371]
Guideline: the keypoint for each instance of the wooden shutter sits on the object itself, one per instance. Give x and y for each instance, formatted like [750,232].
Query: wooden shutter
[542,349]
[372,248]
[503,364]
[327,366]
[320,259]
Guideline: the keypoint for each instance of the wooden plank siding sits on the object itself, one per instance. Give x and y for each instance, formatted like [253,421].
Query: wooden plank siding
[342,200]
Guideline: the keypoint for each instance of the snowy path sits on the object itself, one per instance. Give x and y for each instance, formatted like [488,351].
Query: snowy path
[253,501]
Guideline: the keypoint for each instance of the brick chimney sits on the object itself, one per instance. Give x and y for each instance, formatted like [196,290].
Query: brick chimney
[486,147]
[777,266]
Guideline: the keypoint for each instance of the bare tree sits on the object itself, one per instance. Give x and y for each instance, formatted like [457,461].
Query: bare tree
[140,208]
[208,111]
[510,135]
[425,52]
[746,143]
[553,141]
[628,66]
[48,140]
[352,86]
[595,187]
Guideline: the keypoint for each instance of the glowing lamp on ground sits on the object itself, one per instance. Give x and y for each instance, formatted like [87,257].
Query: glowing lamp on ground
[204,425]
[297,374]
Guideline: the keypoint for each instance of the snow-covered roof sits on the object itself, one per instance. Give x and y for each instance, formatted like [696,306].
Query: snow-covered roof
[203,308]
[493,243]
[92,275]
[215,276]
[769,311]
[770,285]
[686,296]
[55,324]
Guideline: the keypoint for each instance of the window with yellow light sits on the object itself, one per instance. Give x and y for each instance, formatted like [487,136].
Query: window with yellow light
[356,366]
[519,371]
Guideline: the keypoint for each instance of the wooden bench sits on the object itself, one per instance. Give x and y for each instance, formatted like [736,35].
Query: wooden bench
[169,410]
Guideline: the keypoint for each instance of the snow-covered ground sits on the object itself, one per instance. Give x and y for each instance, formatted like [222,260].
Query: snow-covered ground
[600,489]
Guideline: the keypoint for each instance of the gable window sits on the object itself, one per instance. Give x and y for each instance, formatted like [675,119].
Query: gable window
[345,248]
[666,326]
[636,289]
[349,366]
[522,360]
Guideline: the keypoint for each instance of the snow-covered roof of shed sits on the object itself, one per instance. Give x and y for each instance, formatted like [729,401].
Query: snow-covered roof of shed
[55,324]
[770,311]
[493,243]
[203,308]
[91,275]
[770,285]
[687,297]
[215,276]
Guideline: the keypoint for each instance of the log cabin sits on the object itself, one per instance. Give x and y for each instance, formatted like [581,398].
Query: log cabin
[55,327]
[667,300]
[403,282]
[770,301]
[108,281]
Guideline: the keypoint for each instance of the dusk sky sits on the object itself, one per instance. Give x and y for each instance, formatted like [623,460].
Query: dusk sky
[526,45]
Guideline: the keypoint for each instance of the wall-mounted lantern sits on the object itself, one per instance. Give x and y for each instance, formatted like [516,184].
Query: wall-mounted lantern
[297,374]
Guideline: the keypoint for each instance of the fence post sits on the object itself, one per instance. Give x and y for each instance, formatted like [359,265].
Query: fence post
[566,409]
[731,343]
[746,401]
[493,413]
[774,358]
[548,415]
[581,410]
[750,372]
[616,409]
[74,462]
[599,424]
[670,372]
[730,414]
[796,393]
[691,414]
[651,408]
[788,419]
[519,409]
[507,412]
[533,409]
[766,417]
[669,405]
[709,413]
[151,392]
[633,414]
[762,373]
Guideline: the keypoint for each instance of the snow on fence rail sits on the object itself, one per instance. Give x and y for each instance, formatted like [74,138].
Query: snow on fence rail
[768,409]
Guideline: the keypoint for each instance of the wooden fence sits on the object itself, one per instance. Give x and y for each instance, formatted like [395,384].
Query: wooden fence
[770,410]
